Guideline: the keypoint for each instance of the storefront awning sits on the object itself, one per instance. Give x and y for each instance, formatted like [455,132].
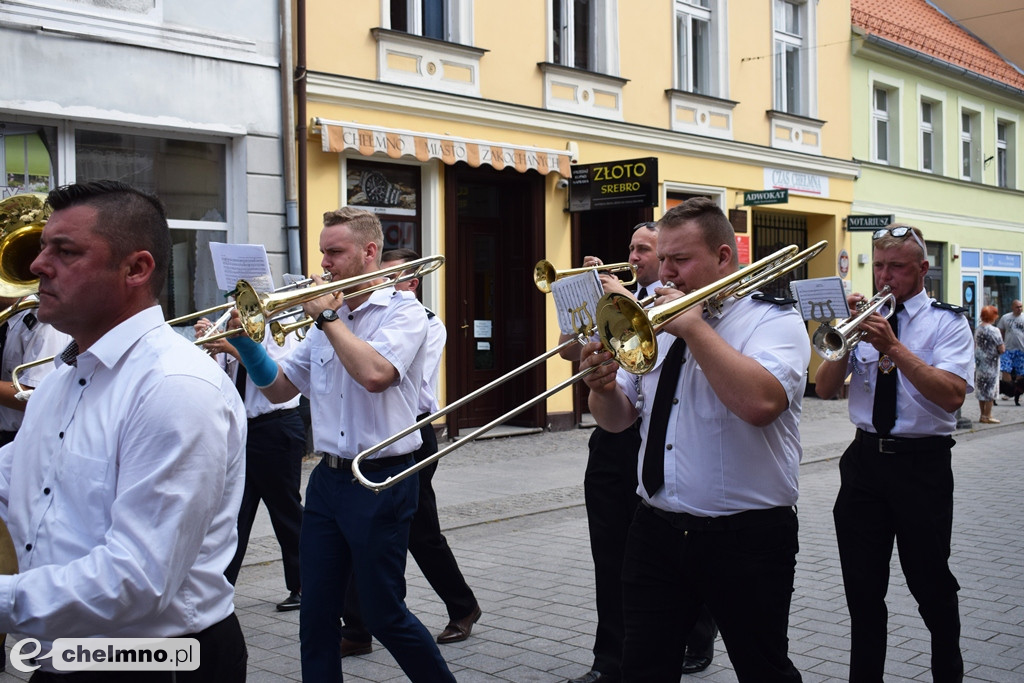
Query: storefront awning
[339,136]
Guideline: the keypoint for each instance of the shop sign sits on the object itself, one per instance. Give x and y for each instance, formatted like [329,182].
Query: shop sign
[612,184]
[759,197]
[866,222]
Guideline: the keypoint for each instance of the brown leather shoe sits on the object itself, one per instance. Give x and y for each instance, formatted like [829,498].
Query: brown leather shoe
[457,631]
[352,648]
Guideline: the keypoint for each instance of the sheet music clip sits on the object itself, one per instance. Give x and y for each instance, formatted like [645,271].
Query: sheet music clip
[821,299]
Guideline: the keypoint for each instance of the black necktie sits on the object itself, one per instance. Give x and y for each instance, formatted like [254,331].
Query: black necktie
[883,413]
[240,380]
[653,475]
[641,293]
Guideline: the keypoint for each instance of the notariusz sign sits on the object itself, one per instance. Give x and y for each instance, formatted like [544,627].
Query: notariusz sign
[866,222]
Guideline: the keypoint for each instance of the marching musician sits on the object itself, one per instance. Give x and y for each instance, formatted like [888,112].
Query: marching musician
[122,487]
[361,368]
[908,378]
[719,459]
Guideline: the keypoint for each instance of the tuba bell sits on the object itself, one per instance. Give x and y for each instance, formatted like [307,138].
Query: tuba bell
[22,217]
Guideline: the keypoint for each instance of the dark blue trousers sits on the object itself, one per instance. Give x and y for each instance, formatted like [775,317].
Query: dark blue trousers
[907,497]
[743,574]
[346,529]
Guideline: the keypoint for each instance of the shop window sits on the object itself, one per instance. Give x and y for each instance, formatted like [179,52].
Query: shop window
[28,158]
[392,191]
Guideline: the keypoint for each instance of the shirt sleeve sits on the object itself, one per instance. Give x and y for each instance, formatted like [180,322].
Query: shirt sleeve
[172,465]
[953,347]
[400,336]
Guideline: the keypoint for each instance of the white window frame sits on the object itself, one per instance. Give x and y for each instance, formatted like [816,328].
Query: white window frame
[972,138]
[1007,175]
[892,116]
[937,100]
[458,18]
[806,95]
[604,34]
[687,14]
[881,150]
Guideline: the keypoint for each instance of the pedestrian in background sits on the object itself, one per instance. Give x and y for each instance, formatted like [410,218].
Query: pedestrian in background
[988,346]
[1011,326]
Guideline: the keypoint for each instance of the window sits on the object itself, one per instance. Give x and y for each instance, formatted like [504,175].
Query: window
[1006,161]
[880,123]
[392,191]
[190,178]
[695,57]
[931,136]
[792,68]
[439,19]
[28,157]
[970,150]
[584,35]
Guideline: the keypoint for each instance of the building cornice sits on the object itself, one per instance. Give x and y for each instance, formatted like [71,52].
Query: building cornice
[383,97]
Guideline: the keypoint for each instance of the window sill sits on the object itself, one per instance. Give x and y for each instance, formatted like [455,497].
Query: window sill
[700,114]
[795,133]
[577,91]
[411,60]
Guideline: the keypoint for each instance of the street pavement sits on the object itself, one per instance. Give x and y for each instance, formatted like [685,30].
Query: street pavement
[512,510]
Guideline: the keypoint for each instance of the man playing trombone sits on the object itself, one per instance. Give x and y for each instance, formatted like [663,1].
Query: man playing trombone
[907,382]
[362,369]
[718,463]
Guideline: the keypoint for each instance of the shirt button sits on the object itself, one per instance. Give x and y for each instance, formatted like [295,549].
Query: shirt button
[28,546]
[81,382]
[668,447]
[46,490]
[351,317]
[675,401]
[61,435]
[343,433]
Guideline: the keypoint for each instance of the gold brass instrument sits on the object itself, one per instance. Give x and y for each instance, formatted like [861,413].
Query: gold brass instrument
[833,342]
[22,217]
[256,308]
[544,273]
[627,331]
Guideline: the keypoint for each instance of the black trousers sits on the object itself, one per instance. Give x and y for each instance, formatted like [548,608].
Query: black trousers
[428,547]
[908,497]
[609,487]
[741,569]
[222,659]
[274,448]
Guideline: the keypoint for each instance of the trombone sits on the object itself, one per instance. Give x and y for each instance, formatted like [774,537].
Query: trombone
[544,273]
[833,342]
[255,308]
[626,330]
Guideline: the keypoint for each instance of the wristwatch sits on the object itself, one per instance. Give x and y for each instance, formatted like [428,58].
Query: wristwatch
[325,317]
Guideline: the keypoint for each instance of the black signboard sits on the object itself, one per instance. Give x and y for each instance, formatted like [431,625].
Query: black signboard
[633,182]
[869,222]
[759,197]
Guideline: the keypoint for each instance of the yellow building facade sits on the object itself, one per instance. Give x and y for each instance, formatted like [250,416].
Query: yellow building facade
[499,134]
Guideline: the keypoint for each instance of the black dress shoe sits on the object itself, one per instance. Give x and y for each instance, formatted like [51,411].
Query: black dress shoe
[692,665]
[353,648]
[292,602]
[457,631]
[595,676]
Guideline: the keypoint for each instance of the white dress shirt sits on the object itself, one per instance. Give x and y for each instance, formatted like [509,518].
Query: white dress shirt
[437,335]
[122,490]
[256,403]
[715,463]
[27,340]
[347,418]
[941,339]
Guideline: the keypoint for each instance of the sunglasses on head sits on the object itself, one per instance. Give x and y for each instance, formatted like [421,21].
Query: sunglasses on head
[650,225]
[900,232]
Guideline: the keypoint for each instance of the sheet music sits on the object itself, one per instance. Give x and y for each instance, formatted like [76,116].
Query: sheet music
[234,262]
[822,299]
[576,300]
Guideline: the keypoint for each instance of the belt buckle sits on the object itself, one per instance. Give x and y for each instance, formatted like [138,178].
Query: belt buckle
[887,446]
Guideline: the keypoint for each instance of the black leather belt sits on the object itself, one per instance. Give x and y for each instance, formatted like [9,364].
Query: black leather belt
[371,465]
[894,445]
[273,415]
[748,519]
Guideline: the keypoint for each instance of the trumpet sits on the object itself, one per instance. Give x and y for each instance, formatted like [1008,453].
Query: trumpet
[833,342]
[544,273]
[626,330]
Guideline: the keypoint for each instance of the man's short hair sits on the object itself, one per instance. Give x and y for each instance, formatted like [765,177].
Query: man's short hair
[402,255]
[888,241]
[708,216]
[365,226]
[127,219]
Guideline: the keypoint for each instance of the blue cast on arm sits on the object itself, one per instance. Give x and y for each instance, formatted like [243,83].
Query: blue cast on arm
[258,364]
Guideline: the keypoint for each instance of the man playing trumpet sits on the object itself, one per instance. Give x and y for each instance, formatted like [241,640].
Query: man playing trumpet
[909,376]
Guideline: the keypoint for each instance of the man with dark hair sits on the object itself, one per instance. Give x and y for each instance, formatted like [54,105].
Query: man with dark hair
[910,375]
[362,368]
[427,544]
[719,461]
[122,489]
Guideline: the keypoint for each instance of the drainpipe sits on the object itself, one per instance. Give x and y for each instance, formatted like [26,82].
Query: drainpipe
[291,208]
[300,129]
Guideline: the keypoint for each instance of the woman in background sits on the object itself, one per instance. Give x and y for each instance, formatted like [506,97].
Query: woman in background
[988,346]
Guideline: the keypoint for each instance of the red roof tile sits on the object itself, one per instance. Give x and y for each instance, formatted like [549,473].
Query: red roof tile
[919,26]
